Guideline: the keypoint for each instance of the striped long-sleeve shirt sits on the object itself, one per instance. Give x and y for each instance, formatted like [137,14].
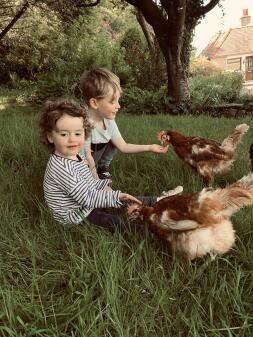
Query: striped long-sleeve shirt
[71,191]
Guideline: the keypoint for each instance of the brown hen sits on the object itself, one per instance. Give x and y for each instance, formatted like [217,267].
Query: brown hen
[207,156]
[197,224]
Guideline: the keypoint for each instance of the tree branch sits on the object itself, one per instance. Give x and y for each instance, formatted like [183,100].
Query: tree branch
[14,20]
[151,12]
[205,9]
[147,30]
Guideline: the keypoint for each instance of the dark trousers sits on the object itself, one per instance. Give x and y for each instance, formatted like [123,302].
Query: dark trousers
[112,222]
[103,156]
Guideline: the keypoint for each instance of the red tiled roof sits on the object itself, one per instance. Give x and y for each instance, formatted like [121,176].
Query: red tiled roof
[234,41]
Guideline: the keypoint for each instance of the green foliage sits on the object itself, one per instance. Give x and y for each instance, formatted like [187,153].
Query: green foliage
[204,91]
[134,51]
[215,89]
[74,57]
[144,64]
[27,48]
[54,53]
[46,49]
[139,101]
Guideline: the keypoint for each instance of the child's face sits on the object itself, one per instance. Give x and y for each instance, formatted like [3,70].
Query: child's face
[68,137]
[108,106]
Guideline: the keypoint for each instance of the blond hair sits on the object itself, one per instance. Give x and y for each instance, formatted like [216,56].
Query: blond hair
[97,82]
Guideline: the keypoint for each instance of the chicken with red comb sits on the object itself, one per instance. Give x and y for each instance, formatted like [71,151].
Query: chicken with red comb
[208,157]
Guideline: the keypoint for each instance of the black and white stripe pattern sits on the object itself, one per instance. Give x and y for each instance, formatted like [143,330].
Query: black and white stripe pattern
[71,191]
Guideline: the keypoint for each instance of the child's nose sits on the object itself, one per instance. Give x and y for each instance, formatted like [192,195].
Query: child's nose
[72,137]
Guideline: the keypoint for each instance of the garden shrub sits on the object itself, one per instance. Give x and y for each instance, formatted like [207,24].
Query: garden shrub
[141,101]
[73,58]
[215,89]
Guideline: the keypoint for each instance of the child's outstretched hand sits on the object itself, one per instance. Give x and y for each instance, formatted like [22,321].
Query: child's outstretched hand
[158,148]
[129,198]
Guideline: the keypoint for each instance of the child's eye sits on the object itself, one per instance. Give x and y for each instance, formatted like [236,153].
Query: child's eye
[63,134]
[78,133]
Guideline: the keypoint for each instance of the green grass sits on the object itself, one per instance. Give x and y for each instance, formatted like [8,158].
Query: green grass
[88,282]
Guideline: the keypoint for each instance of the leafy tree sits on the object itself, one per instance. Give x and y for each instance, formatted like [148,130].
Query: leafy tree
[32,32]
[174,22]
[12,11]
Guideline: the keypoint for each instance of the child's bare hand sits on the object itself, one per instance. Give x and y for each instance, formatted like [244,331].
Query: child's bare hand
[108,188]
[158,148]
[128,197]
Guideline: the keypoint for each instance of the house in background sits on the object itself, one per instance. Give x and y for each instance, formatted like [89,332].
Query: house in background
[233,50]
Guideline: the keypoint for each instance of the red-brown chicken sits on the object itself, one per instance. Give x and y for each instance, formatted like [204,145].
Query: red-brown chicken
[197,224]
[207,156]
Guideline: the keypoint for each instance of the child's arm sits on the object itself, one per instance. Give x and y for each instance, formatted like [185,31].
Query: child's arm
[92,167]
[91,163]
[124,147]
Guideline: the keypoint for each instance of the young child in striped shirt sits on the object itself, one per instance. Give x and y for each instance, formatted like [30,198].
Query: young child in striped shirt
[71,192]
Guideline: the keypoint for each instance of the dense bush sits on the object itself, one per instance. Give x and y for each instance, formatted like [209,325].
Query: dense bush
[73,57]
[215,89]
[148,70]
[140,101]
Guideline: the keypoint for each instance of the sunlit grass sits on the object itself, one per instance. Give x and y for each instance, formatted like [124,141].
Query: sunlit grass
[88,282]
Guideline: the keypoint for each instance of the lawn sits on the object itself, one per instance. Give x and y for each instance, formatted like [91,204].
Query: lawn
[87,282]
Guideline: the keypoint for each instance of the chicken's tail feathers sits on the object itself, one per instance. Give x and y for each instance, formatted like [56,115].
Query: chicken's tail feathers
[237,195]
[246,182]
[230,143]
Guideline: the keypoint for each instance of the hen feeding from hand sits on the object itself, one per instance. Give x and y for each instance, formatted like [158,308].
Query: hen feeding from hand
[197,224]
[205,155]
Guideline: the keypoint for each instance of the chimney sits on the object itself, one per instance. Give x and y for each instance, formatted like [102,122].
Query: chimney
[245,19]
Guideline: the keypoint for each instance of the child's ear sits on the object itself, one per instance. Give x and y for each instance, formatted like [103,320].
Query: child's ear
[50,138]
[93,103]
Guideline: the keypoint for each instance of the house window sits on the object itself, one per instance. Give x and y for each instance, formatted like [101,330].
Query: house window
[249,63]
[234,64]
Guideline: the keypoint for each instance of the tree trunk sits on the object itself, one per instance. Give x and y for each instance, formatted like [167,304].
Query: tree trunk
[177,86]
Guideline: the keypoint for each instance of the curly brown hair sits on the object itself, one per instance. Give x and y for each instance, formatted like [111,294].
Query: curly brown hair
[54,110]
